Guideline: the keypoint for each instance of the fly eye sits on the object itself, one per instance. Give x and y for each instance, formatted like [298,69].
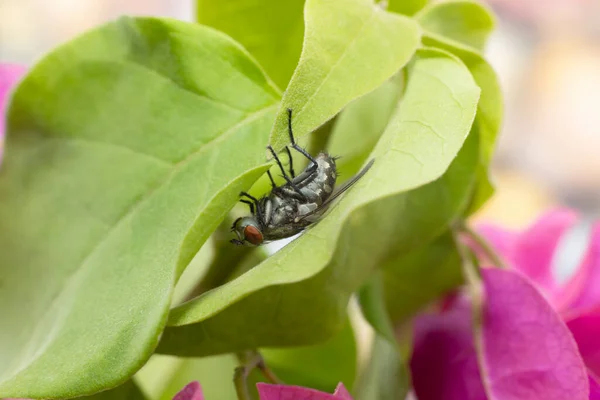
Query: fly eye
[253,235]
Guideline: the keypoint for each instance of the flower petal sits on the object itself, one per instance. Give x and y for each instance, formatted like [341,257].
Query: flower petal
[444,362]
[267,391]
[192,391]
[585,284]
[594,388]
[9,76]
[535,248]
[586,331]
[341,392]
[527,351]
[502,240]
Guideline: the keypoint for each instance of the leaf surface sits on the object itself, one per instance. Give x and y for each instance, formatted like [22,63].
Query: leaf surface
[350,48]
[490,110]
[322,366]
[126,148]
[271,30]
[406,7]
[464,22]
[413,280]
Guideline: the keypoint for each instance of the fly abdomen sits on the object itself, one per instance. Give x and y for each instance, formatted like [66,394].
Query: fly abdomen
[319,185]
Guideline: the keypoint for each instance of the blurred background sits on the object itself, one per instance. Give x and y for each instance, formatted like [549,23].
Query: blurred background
[546,53]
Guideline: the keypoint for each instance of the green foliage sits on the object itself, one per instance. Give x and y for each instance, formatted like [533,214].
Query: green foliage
[416,279]
[127,391]
[463,21]
[103,206]
[386,376]
[163,376]
[321,366]
[126,151]
[407,7]
[360,125]
[416,148]
[271,30]
[343,40]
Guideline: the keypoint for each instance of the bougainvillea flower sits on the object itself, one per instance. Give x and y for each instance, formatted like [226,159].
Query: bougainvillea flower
[268,391]
[533,337]
[192,391]
[9,76]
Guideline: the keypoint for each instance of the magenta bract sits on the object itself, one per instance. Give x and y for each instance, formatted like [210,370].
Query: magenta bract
[533,338]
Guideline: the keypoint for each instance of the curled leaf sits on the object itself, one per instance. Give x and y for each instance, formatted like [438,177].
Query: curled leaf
[102,206]
[299,295]
[343,39]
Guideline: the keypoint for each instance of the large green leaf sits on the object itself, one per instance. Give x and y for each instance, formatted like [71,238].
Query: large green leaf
[360,125]
[350,48]
[462,21]
[489,110]
[411,281]
[196,270]
[127,391]
[126,148]
[271,30]
[298,296]
[407,7]
[321,366]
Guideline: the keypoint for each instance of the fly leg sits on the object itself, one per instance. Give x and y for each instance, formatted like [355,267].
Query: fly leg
[287,149]
[258,209]
[250,204]
[313,166]
[273,185]
[285,176]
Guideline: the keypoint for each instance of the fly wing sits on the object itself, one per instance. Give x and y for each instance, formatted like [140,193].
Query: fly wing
[336,193]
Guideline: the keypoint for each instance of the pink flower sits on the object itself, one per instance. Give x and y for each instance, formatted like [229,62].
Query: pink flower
[192,391]
[285,392]
[267,391]
[9,76]
[535,338]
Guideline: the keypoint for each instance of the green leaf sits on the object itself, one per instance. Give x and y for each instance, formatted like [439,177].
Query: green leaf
[412,281]
[374,310]
[360,125]
[299,295]
[489,110]
[462,21]
[320,366]
[128,391]
[193,273]
[385,376]
[126,148]
[271,30]
[350,48]
[164,376]
[406,7]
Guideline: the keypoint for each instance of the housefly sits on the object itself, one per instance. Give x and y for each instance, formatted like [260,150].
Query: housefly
[300,202]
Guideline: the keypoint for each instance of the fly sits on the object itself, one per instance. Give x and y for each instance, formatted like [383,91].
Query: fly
[295,205]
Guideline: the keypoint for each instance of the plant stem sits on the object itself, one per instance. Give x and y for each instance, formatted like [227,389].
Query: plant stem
[484,246]
[250,360]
